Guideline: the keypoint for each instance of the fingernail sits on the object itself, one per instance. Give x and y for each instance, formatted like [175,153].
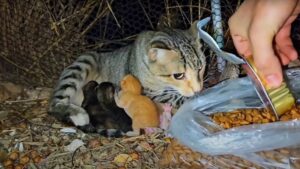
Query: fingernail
[273,81]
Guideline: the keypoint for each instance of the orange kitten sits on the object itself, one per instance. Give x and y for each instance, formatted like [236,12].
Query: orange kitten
[141,109]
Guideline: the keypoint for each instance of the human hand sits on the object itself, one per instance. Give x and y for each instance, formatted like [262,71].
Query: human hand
[261,28]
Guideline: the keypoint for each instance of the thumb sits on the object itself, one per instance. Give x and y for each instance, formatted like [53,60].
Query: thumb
[265,24]
[265,60]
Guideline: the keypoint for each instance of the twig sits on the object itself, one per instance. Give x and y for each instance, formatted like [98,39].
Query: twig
[58,155]
[32,166]
[93,22]
[11,62]
[190,6]
[191,11]
[45,52]
[22,101]
[109,7]
[146,14]
[34,143]
[73,155]
[182,12]
[130,139]
[168,13]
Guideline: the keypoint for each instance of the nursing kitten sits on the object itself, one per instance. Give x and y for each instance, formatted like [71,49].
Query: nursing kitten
[169,64]
[105,116]
[141,109]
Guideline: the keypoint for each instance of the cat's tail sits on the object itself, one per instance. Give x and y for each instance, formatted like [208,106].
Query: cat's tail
[65,103]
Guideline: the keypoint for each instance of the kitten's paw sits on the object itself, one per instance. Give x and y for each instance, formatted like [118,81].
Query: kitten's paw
[151,130]
[165,117]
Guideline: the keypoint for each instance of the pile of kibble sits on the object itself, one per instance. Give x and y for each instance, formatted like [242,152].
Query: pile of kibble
[16,160]
[252,116]
[177,155]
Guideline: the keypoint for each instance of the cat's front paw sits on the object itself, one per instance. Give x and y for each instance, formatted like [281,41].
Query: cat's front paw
[79,116]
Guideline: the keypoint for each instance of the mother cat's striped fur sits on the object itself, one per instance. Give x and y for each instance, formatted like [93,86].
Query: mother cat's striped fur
[169,64]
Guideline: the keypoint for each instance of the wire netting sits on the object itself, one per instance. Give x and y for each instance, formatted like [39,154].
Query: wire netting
[38,38]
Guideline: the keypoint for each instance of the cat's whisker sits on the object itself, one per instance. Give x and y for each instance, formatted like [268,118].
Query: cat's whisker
[206,80]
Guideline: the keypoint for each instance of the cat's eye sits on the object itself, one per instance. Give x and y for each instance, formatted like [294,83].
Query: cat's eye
[178,76]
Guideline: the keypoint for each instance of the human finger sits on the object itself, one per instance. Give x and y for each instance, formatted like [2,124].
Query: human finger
[284,42]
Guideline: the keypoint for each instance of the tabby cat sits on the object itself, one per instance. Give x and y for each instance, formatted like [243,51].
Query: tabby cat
[169,64]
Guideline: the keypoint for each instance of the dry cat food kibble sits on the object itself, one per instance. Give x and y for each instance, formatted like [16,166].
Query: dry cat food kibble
[17,160]
[177,155]
[252,116]
[284,155]
[257,116]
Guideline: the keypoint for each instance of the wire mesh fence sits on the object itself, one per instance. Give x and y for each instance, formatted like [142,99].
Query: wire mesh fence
[38,38]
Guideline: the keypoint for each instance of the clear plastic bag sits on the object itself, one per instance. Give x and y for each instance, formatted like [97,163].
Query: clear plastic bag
[192,127]
[293,78]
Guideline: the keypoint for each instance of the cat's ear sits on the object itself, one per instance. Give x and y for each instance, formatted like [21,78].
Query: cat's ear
[162,56]
[194,34]
[159,45]
[193,30]
[152,54]
[156,50]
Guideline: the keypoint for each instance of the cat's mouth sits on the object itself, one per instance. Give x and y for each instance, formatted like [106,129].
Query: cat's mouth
[188,94]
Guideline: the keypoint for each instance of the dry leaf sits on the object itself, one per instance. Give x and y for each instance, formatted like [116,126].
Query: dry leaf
[122,159]
[94,143]
[134,156]
[9,91]
[145,145]
[74,145]
[68,130]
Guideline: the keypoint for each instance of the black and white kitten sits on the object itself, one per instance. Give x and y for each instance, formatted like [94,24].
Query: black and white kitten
[105,116]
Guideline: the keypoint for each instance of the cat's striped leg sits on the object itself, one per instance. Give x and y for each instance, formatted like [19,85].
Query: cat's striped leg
[67,97]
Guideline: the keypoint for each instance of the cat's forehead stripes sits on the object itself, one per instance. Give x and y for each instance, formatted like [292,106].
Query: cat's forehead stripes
[184,44]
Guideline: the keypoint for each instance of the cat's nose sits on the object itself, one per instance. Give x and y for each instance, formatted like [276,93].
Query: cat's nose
[198,89]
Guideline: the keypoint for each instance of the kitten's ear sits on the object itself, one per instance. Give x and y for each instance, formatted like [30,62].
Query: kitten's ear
[110,93]
[123,82]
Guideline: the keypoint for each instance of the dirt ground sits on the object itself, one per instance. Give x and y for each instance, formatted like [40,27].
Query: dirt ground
[29,137]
